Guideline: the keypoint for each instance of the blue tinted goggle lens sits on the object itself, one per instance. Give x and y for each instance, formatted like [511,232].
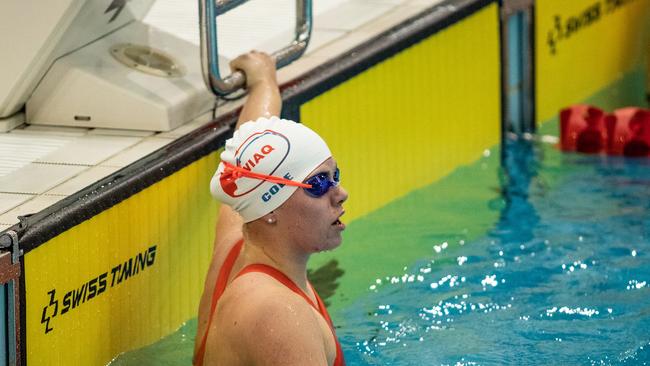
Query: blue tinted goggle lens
[321,183]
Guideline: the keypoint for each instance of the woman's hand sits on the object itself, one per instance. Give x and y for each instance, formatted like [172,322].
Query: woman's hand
[258,67]
[263,93]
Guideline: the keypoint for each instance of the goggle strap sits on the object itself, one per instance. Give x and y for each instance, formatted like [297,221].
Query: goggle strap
[241,172]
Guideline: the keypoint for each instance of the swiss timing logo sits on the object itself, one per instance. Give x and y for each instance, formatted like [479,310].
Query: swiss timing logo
[95,287]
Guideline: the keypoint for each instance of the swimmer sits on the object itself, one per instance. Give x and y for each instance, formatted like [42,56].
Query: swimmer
[281,203]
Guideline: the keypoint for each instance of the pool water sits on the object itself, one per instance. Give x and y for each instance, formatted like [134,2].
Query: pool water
[562,277]
[545,261]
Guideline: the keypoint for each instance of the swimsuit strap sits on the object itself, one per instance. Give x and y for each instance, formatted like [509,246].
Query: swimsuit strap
[281,277]
[339,360]
[319,306]
[219,288]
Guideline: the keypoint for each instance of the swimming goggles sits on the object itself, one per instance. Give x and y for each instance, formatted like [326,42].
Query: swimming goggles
[316,186]
[321,183]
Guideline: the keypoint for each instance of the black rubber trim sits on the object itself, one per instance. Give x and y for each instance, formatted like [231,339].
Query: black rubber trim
[533,62]
[502,87]
[379,48]
[291,111]
[36,229]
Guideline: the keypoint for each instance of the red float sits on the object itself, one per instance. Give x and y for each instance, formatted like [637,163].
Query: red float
[582,129]
[588,129]
[629,132]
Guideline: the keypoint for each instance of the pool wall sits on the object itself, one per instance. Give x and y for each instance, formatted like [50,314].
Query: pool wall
[396,140]
[416,116]
[586,48]
[121,264]
[125,277]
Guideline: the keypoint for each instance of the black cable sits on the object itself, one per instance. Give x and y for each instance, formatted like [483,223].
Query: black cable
[235,95]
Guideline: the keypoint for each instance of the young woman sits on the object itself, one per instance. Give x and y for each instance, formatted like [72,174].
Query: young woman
[281,203]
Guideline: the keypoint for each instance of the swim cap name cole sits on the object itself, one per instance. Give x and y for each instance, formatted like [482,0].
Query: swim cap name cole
[268,146]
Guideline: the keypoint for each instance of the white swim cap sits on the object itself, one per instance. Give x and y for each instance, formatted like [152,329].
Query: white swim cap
[269,146]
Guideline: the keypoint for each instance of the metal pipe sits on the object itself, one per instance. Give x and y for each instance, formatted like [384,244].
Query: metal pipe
[209,51]
[224,6]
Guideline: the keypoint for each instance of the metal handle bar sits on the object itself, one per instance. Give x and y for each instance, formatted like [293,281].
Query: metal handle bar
[224,6]
[208,12]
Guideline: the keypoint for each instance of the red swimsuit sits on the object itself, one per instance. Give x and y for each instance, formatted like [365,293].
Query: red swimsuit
[220,287]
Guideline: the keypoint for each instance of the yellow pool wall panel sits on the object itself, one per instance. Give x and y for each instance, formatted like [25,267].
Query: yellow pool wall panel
[110,293]
[584,46]
[415,117]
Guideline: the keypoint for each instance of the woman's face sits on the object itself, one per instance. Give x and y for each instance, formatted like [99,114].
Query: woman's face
[314,222]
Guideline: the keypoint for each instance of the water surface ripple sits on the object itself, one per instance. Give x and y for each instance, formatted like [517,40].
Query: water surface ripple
[562,278]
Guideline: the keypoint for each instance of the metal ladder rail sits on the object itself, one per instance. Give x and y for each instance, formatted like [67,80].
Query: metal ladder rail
[208,12]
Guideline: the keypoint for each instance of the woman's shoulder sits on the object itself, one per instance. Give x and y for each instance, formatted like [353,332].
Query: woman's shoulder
[258,289]
[258,313]
[261,295]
